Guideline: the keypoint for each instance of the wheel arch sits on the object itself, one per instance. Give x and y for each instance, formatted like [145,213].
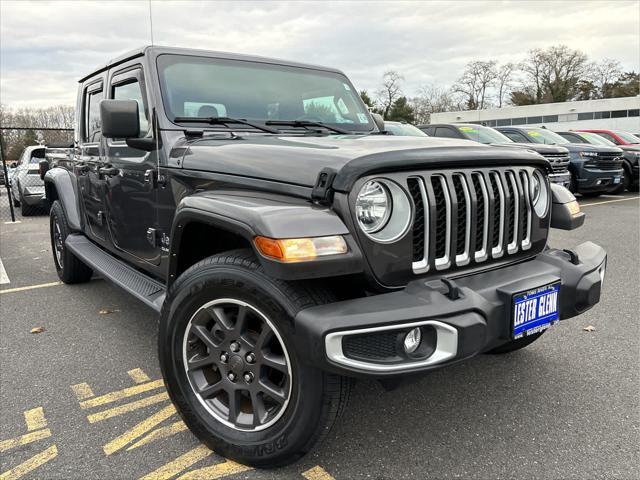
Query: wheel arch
[58,185]
[234,221]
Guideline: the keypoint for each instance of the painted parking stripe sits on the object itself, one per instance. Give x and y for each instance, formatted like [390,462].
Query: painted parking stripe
[180,464]
[120,394]
[30,287]
[34,419]
[219,470]
[317,473]
[160,434]
[127,407]
[82,391]
[608,201]
[34,462]
[25,439]
[138,376]
[4,278]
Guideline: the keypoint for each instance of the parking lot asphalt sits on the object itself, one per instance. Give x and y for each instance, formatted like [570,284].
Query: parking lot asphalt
[82,400]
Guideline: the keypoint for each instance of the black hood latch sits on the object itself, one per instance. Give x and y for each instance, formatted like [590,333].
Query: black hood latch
[322,192]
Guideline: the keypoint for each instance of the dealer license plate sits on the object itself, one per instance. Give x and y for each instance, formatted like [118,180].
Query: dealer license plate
[535,310]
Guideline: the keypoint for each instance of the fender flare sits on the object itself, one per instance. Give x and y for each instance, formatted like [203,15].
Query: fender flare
[274,217]
[66,191]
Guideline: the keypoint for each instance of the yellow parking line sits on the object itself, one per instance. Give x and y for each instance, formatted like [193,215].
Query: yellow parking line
[138,375]
[120,394]
[35,419]
[138,430]
[608,201]
[30,287]
[317,473]
[212,472]
[24,439]
[159,434]
[82,391]
[31,464]
[179,464]
[127,407]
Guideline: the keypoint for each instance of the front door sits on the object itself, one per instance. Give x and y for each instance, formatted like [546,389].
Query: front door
[131,187]
[88,163]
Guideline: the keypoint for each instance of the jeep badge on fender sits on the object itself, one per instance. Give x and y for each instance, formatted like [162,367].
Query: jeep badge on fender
[290,245]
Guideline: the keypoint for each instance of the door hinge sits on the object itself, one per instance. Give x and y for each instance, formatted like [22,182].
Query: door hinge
[152,236]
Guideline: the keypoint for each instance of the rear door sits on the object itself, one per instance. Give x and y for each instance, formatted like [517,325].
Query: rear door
[131,176]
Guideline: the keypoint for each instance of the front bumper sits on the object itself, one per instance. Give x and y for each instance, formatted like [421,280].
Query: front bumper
[596,180]
[33,195]
[477,321]
[563,179]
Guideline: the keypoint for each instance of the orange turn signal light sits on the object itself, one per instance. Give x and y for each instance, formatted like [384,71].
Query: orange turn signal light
[300,249]
[574,208]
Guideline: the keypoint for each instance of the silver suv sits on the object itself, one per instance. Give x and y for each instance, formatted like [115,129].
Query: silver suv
[26,185]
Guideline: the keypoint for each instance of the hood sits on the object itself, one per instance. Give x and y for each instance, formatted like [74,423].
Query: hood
[629,148]
[588,147]
[299,159]
[542,149]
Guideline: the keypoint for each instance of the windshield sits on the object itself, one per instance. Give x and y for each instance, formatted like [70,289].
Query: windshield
[403,129]
[212,87]
[627,137]
[545,136]
[481,134]
[595,139]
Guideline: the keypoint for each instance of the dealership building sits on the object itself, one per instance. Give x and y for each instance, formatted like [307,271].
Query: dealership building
[608,113]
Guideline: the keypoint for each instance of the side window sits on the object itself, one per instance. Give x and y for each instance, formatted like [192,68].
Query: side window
[131,90]
[92,116]
[609,137]
[516,137]
[446,132]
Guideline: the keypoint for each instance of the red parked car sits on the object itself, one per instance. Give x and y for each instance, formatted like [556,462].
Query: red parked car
[616,136]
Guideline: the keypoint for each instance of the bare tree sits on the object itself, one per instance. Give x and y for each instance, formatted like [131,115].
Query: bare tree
[504,77]
[390,91]
[553,74]
[475,83]
[432,99]
[604,75]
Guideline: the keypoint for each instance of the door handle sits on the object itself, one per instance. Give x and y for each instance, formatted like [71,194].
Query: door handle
[109,171]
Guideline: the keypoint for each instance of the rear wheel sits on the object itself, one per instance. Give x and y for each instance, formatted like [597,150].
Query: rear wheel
[228,356]
[514,345]
[69,268]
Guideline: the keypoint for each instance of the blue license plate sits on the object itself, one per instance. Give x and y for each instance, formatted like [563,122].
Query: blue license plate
[535,310]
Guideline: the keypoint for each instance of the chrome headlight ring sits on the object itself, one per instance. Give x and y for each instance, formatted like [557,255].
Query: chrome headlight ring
[383,210]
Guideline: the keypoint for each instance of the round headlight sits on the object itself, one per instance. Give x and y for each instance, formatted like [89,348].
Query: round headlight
[539,193]
[373,207]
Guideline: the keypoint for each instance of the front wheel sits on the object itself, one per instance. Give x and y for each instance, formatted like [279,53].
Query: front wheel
[227,353]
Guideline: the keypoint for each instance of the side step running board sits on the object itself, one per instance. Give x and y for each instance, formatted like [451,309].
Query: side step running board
[137,284]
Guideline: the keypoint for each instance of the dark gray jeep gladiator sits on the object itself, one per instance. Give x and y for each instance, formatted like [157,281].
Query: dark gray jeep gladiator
[290,246]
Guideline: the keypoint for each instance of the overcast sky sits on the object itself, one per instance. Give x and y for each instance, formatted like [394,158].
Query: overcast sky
[47,46]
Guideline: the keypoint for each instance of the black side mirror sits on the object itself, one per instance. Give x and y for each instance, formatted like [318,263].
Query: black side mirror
[119,118]
[43,168]
[13,165]
[379,121]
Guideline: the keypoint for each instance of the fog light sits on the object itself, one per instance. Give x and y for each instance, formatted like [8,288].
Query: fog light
[412,340]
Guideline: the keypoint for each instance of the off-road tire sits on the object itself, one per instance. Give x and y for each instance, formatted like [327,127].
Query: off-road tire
[69,268]
[316,398]
[514,345]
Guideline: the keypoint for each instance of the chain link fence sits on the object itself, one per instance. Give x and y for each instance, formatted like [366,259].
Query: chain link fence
[21,150]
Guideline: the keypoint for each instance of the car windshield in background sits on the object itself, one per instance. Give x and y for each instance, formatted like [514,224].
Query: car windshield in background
[596,139]
[403,129]
[627,137]
[211,87]
[546,136]
[481,134]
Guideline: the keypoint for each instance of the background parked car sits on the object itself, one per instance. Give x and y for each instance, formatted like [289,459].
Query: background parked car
[631,155]
[27,187]
[557,156]
[595,169]
[403,129]
[615,136]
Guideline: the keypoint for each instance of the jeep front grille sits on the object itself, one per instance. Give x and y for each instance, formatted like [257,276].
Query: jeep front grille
[469,216]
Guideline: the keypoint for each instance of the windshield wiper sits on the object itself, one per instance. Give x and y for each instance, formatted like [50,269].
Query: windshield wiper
[223,121]
[305,124]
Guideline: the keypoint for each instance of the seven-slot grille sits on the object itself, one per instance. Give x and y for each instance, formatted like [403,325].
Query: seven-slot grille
[470,215]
